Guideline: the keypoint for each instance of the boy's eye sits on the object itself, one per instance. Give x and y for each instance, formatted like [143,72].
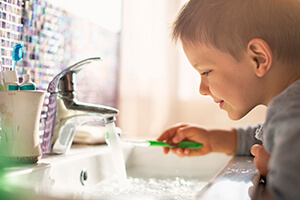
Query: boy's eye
[206,73]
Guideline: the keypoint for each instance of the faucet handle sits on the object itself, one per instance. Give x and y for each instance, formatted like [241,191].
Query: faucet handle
[54,84]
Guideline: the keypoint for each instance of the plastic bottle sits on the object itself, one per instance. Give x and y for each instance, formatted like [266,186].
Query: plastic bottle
[27,84]
[11,80]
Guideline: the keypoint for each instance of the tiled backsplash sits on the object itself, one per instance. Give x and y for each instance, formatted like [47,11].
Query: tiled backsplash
[45,35]
[10,28]
[53,39]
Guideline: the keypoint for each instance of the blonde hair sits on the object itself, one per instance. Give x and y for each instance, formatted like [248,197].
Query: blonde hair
[228,25]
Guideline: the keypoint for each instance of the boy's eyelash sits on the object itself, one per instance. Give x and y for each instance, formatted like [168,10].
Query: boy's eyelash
[206,73]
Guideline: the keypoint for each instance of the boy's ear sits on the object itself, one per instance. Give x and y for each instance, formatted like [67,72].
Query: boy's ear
[261,55]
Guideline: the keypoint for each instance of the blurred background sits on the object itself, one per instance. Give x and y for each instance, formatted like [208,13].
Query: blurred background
[143,73]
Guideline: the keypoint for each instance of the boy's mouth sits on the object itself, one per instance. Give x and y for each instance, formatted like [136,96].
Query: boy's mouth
[221,103]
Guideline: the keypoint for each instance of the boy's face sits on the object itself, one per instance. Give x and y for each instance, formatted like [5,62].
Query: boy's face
[232,84]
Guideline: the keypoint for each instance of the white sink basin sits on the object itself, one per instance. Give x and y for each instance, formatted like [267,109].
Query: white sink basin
[88,173]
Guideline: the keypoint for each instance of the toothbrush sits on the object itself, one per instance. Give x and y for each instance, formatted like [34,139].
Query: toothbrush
[182,144]
[17,54]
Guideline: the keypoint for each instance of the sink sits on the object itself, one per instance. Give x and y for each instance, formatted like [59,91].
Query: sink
[88,173]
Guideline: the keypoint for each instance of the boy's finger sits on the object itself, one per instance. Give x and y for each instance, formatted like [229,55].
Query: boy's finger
[179,135]
[186,152]
[180,152]
[166,150]
[254,149]
[169,134]
[197,152]
[166,135]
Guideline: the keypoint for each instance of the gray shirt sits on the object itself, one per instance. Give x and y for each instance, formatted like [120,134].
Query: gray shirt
[281,136]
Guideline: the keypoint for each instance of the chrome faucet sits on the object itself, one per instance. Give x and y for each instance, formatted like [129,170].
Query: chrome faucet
[65,113]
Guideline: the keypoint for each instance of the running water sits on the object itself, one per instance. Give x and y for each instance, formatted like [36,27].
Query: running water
[173,188]
[114,142]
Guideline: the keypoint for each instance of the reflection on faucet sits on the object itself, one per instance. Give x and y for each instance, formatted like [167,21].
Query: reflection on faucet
[65,113]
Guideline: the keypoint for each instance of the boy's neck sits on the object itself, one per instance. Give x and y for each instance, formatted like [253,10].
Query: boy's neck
[280,78]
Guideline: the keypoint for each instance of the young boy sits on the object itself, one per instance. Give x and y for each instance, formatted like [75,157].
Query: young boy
[247,53]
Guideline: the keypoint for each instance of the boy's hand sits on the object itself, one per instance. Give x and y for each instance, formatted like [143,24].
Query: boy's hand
[188,132]
[261,159]
[212,140]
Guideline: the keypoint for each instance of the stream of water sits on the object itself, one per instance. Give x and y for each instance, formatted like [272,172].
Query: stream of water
[114,142]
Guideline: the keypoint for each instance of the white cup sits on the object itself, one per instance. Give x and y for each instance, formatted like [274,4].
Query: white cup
[19,126]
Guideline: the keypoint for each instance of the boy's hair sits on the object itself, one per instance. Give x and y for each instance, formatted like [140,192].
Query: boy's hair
[228,25]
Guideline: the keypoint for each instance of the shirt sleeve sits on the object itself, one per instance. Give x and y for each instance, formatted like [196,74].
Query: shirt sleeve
[246,138]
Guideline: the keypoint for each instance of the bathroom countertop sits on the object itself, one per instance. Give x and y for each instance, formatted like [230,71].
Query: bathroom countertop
[238,180]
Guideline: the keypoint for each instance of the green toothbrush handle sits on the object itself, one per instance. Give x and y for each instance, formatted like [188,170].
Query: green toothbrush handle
[158,143]
[183,144]
[189,145]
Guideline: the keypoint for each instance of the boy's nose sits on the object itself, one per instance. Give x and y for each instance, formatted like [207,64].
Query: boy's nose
[204,89]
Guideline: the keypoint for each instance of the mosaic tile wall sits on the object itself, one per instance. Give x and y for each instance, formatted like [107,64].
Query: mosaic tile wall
[10,28]
[45,35]
[53,39]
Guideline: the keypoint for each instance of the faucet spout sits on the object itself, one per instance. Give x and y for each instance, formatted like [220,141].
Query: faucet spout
[73,104]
